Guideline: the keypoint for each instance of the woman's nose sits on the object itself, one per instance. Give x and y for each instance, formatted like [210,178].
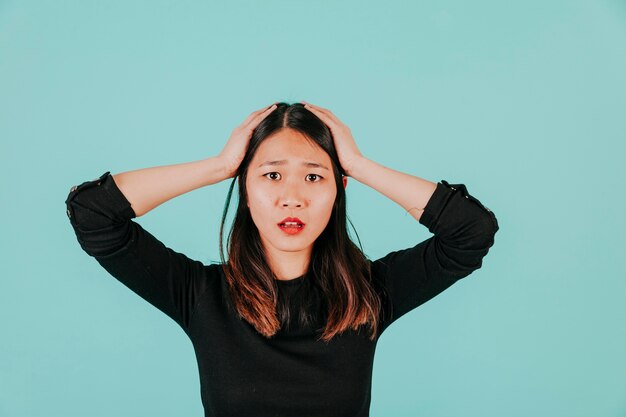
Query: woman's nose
[291,197]
[291,202]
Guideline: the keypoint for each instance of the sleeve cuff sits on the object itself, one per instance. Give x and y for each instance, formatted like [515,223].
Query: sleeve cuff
[121,202]
[112,201]
[436,204]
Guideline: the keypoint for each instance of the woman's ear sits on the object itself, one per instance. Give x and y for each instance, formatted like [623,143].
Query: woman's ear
[345,181]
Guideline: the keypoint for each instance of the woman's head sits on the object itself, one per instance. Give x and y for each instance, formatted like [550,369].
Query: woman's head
[291,169]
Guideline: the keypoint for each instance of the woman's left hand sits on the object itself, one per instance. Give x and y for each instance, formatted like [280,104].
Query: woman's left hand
[347,151]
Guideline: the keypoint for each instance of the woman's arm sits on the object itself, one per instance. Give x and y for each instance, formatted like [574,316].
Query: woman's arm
[148,188]
[101,218]
[463,227]
[101,211]
[412,193]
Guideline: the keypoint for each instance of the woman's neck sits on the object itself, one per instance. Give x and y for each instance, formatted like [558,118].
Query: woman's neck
[288,265]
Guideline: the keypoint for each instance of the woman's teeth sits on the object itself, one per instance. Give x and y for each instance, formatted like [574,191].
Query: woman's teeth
[292,224]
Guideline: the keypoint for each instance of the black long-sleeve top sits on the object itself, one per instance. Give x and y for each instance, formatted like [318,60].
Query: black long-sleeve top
[243,373]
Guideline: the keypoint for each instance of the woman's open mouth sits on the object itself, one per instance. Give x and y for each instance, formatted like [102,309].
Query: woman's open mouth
[291,225]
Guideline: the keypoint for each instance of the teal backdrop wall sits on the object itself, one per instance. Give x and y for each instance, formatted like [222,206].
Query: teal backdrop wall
[523,102]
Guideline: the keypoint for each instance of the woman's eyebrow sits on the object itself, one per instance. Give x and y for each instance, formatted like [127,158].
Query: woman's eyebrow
[284,162]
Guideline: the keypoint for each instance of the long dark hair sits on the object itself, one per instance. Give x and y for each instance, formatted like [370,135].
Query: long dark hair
[338,269]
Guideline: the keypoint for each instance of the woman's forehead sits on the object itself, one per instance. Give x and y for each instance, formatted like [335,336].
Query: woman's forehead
[288,147]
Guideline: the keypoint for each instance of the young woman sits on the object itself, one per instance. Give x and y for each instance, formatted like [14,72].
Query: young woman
[288,324]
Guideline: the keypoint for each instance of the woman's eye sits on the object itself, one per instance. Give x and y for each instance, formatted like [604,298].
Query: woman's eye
[272,175]
[317,177]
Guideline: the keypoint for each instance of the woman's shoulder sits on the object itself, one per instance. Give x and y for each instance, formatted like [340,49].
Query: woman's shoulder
[214,270]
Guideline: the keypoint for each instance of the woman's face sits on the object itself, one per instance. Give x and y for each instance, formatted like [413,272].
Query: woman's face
[290,177]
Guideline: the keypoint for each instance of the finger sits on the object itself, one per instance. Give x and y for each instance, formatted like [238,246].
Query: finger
[315,108]
[259,114]
[323,111]
[326,118]
[307,104]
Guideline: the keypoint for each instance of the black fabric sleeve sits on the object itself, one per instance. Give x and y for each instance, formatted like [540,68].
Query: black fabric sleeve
[464,230]
[101,218]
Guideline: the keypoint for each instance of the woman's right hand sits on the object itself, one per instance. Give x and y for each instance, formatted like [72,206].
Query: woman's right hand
[235,149]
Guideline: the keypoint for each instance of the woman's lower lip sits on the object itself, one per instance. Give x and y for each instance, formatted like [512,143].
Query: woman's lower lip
[291,230]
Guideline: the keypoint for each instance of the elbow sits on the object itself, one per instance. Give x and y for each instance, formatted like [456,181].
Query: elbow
[494,227]
[88,206]
[485,221]
[70,210]
[102,225]
[95,233]
[486,230]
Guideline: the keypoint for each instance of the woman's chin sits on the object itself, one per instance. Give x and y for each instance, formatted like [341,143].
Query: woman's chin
[290,244]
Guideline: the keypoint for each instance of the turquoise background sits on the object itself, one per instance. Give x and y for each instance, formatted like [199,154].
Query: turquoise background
[524,102]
